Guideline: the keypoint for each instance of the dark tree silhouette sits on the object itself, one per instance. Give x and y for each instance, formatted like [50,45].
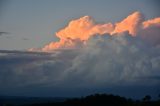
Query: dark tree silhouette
[147,98]
[101,100]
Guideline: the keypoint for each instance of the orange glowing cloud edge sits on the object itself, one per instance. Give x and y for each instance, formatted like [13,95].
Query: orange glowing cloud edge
[80,30]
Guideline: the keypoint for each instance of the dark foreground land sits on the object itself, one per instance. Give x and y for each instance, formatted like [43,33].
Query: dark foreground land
[92,100]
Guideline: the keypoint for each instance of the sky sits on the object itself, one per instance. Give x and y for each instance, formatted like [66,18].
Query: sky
[33,23]
[73,48]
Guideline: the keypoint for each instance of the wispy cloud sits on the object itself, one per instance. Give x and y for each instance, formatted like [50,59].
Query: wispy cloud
[4,33]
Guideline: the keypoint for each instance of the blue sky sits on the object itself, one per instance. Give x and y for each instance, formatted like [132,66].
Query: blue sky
[32,23]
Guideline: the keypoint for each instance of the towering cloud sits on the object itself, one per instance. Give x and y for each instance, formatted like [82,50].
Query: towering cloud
[105,62]
[89,55]
[131,24]
[78,31]
[83,29]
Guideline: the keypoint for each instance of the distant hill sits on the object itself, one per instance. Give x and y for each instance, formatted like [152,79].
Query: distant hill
[91,100]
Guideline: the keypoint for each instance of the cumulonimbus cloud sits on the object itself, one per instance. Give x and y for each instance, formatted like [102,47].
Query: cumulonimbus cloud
[78,31]
[90,55]
[106,61]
